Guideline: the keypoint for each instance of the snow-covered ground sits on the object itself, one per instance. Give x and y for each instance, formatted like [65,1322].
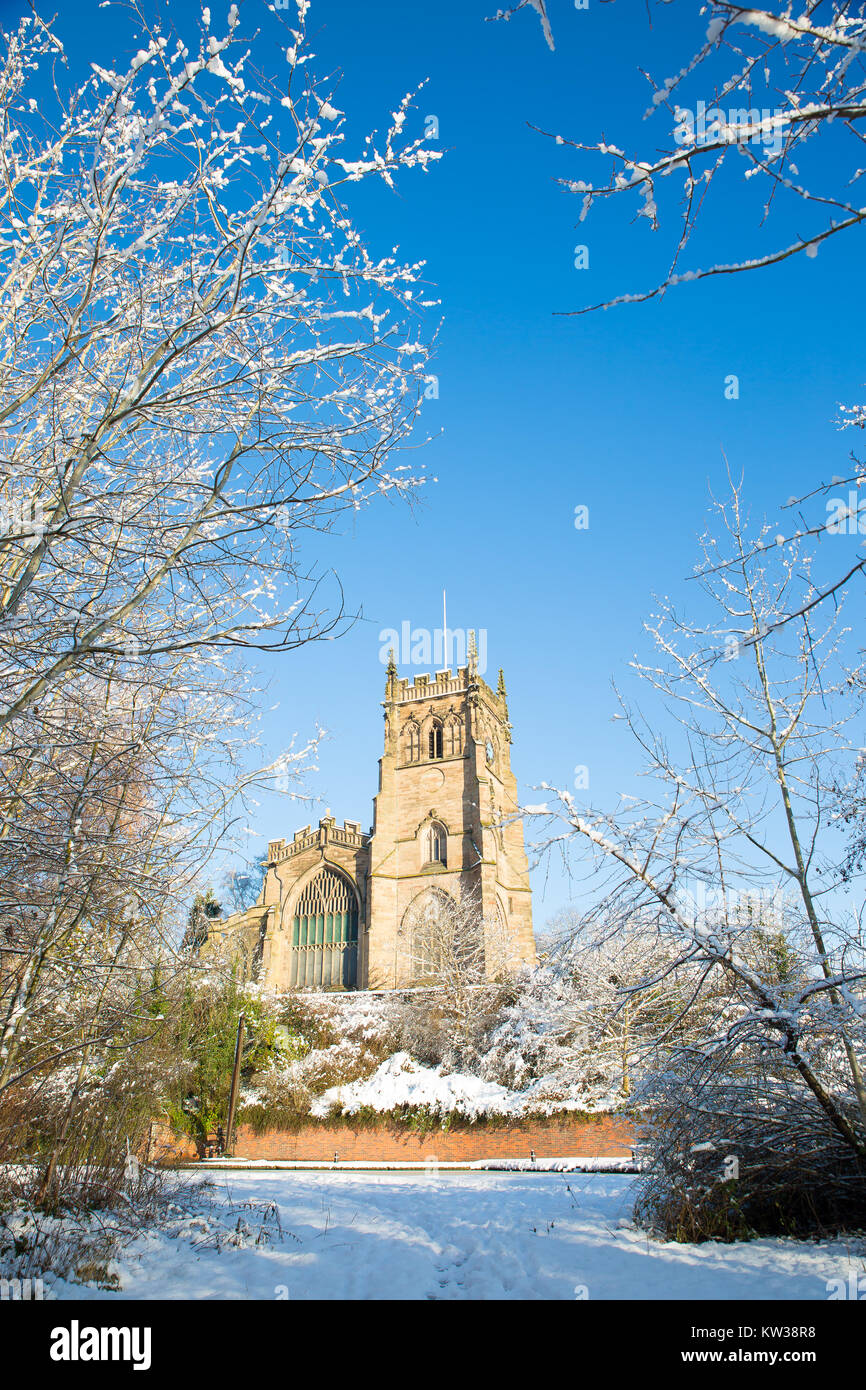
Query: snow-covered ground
[452,1236]
[501,1165]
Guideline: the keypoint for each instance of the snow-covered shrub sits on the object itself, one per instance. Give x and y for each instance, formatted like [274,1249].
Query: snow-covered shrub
[438,1029]
[283,1093]
[740,1147]
[84,1247]
[583,1025]
[542,1043]
[319,1041]
[402,1087]
[369,1019]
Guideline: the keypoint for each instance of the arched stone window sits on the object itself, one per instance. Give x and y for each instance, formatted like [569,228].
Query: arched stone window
[424,926]
[434,739]
[453,737]
[325,933]
[436,844]
[412,742]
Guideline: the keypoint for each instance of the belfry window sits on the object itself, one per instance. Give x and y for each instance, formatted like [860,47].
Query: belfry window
[437,844]
[453,738]
[434,739]
[413,742]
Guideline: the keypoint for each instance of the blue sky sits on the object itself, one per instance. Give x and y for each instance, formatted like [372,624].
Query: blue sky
[623,411]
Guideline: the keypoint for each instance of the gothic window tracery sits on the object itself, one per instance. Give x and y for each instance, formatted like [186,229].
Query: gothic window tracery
[412,742]
[325,933]
[425,926]
[434,739]
[436,844]
[454,737]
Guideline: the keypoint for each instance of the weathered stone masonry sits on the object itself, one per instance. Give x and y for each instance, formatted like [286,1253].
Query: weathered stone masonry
[338,906]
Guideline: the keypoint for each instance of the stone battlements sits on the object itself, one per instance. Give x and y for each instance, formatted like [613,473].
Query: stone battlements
[402,691]
[327,832]
[423,688]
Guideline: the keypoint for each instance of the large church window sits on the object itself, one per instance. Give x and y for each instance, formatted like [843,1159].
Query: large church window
[427,925]
[325,934]
[445,939]
[434,739]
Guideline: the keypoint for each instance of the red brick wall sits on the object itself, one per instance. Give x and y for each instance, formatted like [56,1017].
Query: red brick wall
[604,1137]
[166,1147]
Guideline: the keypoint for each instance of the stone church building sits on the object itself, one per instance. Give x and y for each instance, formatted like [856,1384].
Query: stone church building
[344,909]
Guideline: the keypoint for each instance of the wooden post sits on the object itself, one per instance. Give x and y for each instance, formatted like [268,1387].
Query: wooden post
[233,1093]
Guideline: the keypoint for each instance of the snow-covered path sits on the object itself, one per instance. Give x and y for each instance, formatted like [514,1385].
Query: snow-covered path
[461,1236]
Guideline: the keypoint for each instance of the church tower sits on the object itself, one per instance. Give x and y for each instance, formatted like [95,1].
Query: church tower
[341,909]
[445,820]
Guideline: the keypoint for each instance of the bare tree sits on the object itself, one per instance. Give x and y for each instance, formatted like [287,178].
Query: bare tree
[243,884]
[466,960]
[200,362]
[748,776]
[200,358]
[585,1026]
[772,98]
[770,95]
